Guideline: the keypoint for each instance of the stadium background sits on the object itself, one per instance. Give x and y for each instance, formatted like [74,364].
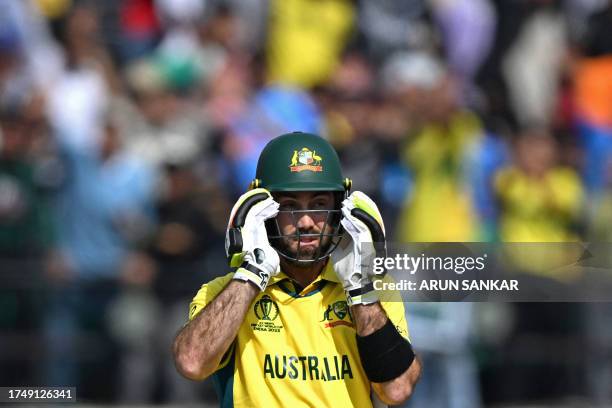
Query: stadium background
[128,128]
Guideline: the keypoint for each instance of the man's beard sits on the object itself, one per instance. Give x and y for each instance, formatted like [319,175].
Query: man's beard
[307,255]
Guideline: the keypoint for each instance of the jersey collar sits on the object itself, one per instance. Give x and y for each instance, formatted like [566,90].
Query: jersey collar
[327,274]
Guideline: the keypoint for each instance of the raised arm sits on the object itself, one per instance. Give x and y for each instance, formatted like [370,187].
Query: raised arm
[386,356]
[201,344]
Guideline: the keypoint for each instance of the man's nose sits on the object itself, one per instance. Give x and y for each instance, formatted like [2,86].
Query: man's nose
[305,221]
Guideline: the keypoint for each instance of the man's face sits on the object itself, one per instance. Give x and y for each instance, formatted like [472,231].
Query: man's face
[305,214]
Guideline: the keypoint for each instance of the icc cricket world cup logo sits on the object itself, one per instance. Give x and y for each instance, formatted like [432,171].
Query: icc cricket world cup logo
[266,309]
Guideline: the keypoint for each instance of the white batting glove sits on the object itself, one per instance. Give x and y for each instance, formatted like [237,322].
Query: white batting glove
[364,239]
[246,241]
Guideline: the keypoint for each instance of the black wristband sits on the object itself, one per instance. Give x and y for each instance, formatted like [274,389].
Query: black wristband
[385,354]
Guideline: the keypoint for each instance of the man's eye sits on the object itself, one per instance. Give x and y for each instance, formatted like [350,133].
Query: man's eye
[320,205]
[287,207]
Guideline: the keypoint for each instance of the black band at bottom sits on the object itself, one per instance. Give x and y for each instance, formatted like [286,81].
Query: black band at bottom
[385,354]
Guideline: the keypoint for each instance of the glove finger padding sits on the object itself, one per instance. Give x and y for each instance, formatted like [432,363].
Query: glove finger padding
[364,239]
[254,230]
[244,204]
[246,243]
[359,200]
[362,220]
[345,263]
[376,231]
[246,212]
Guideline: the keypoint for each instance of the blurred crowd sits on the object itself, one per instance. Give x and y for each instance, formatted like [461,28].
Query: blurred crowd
[129,127]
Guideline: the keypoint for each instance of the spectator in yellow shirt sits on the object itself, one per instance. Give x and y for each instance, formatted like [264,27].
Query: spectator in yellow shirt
[306,39]
[540,199]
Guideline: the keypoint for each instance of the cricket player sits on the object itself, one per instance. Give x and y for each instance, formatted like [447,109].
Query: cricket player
[297,322]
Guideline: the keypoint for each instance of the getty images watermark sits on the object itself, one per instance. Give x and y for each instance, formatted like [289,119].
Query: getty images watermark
[424,263]
[508,272]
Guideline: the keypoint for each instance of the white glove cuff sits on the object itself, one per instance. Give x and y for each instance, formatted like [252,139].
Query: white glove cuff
[362,296]
[251,273]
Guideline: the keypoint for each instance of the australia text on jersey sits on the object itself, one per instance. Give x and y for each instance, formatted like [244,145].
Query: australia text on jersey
[308,367]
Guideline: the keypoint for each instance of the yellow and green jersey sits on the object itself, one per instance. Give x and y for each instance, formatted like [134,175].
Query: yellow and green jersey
[295,349]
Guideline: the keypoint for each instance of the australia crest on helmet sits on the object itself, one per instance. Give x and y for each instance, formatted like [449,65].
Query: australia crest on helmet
[305,159]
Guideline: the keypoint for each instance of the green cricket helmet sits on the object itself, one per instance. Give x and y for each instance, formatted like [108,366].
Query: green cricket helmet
[296,162]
